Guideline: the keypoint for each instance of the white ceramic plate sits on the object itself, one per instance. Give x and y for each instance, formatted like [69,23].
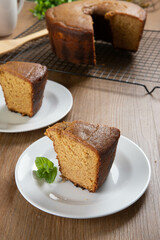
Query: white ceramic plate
[127,181]
[57,102]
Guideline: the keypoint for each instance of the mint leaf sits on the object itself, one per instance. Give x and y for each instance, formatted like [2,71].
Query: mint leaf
[40,173]
[50,177]
[42,162]
[46,169]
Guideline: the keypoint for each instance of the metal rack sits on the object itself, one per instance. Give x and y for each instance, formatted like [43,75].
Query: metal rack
[141,68]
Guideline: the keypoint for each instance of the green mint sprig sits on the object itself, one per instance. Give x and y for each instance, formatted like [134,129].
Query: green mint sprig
[46,169]
[42,5]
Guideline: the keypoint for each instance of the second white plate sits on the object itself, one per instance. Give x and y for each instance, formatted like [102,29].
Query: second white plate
[57,102]
[127,181]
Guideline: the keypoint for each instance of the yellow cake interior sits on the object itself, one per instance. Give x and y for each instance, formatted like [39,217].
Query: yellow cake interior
[126,36]
[17,92]
[78,163]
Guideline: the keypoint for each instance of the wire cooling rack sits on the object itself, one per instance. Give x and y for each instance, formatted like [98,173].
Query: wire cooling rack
[141,68]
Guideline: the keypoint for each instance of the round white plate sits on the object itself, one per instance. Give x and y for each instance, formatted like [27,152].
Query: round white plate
[57,102]
[127,181]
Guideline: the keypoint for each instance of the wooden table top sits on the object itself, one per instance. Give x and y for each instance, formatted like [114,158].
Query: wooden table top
[124,106]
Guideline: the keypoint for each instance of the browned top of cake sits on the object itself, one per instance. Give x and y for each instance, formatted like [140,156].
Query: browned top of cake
[99,137]
[26,70]
[77,14]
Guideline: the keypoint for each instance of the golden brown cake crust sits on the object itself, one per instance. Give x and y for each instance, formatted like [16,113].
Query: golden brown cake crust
[77,14]
[101,139]
[92,135]
[28,71]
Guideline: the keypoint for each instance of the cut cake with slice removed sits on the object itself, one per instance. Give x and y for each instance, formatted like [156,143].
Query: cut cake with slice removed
[85,151]
[74,26]
[23,85]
